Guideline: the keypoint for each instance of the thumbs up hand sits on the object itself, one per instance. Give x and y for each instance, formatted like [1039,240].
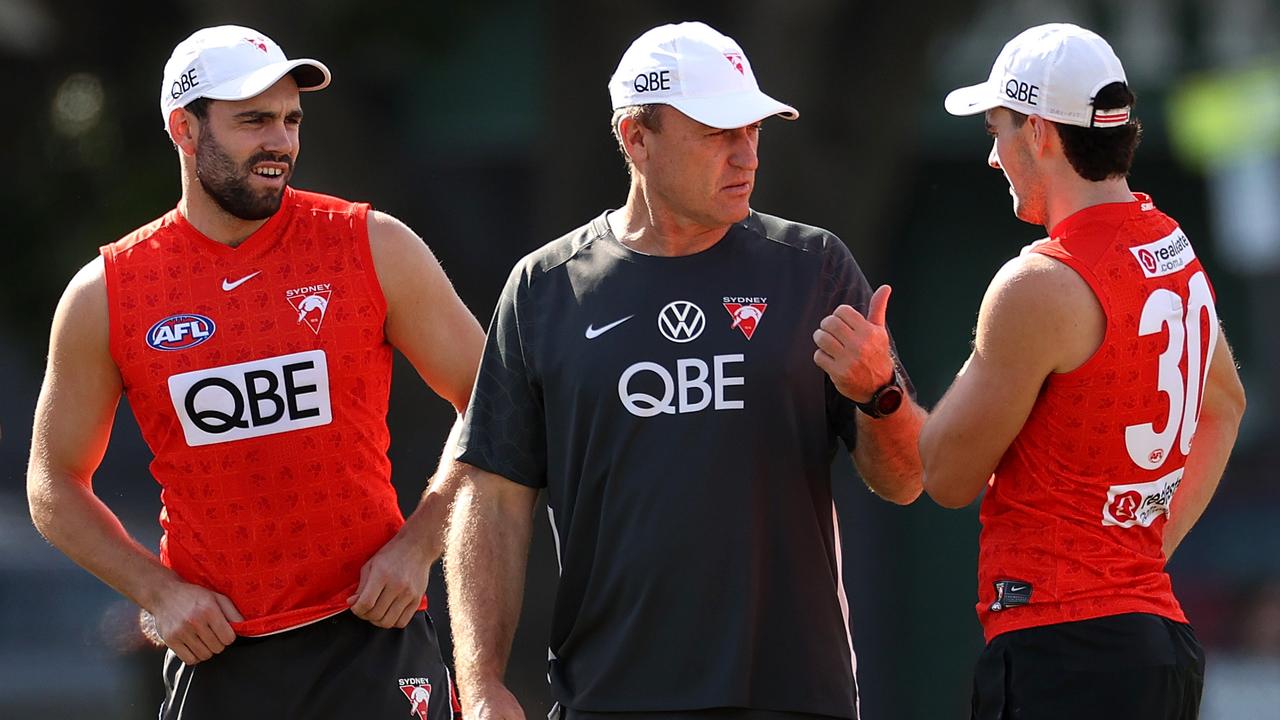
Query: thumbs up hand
[854,350]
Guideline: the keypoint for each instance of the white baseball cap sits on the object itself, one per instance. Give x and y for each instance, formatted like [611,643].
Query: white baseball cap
[696,70]
[1053,71]
[230,62]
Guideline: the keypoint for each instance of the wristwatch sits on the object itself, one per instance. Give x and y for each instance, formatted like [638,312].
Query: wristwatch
[886,399]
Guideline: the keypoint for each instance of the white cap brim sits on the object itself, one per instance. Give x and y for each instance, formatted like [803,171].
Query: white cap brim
[727,112]
[259,80]
[971,100]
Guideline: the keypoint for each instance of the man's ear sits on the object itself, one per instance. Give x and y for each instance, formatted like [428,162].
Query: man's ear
[634,137]
[1043,135]
[183,130]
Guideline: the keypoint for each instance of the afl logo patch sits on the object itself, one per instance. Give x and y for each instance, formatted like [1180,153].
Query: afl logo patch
[179,332]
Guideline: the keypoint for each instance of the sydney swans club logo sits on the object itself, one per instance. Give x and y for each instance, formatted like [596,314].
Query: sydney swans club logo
[311,302]
[418,691]
[747,312]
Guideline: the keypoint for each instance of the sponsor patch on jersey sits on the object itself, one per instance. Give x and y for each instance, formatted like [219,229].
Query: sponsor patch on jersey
[681,321]
[747,312]
[247,400]
[179,332]
[1140,503]
[1011,593]
[311,302]
[1167,255]
[418,691]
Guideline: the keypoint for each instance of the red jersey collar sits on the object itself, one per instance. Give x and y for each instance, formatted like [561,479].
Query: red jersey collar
[1104,212]
[260,238]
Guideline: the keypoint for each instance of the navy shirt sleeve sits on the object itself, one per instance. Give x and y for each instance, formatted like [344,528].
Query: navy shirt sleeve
[845,284]
[503,432]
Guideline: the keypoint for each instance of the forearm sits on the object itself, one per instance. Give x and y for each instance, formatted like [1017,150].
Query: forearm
[887,453]
[486,555]
[425,528]
[1214,438]
[74,520]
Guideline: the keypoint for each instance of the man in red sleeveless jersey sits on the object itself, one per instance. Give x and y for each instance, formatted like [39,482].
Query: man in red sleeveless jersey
[1098,357]
[251,329]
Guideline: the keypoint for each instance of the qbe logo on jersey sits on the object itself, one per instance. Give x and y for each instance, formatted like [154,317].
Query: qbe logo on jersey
[1140,503]
[1167,255]
[253,399]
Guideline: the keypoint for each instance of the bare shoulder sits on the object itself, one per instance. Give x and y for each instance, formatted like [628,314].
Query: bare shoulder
[1037,302]
[84,302]
[389,237]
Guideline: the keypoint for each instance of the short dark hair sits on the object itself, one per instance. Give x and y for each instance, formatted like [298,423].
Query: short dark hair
[1100,153]
[199,107]
[647,115]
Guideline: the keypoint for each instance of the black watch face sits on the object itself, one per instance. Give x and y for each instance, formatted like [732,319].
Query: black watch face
[888,400]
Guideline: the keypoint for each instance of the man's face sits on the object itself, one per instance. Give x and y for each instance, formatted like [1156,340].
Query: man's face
[245,150]
[1011,154]
[702,174]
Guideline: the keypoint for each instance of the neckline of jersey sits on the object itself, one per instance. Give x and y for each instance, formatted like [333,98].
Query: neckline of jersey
[600,228]
[261,239]
[1141,202]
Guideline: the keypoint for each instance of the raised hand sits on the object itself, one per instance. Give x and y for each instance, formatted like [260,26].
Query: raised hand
[854,350]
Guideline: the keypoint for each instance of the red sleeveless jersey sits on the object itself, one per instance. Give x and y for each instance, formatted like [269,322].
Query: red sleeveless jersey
[259,377]
[1072,523]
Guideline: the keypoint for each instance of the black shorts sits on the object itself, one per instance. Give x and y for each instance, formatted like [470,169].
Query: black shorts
[1127,667]
[339,668]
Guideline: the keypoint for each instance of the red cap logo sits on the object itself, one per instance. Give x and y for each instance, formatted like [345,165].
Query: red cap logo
[736,61]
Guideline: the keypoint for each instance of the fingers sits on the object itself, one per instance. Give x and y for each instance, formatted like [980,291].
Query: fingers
[367,600]
[824,361]
[879,306]
[406,614]
[192,649]
[828,343]
[199,625]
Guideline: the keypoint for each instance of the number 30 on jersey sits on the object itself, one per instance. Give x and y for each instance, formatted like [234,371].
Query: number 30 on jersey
[1149,448]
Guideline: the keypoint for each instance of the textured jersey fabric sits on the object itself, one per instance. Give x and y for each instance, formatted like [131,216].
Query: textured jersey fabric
[672,409]
[259,377]
[1078,504]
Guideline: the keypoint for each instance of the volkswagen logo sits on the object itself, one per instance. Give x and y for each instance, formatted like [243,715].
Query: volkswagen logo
[681,321]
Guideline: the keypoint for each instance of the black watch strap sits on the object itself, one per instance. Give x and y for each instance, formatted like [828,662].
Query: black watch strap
[886,399]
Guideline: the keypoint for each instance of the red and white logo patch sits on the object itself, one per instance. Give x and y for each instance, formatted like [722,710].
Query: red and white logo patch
[418,691]
[736,61]
[746,313]
[311,303]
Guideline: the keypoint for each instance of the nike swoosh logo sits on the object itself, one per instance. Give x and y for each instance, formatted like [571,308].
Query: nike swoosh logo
[229,286]
[594,332]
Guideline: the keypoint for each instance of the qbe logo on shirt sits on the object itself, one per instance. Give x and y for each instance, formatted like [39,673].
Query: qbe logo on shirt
[253,399]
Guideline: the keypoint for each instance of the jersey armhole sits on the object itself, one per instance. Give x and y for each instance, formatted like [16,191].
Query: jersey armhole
[360,212]
[112,277]
[1056,252]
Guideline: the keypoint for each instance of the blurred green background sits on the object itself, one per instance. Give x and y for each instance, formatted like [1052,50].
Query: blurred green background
[484,126]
